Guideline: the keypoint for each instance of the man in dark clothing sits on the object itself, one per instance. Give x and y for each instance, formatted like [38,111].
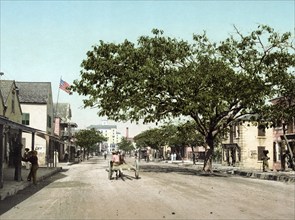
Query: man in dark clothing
[34,167]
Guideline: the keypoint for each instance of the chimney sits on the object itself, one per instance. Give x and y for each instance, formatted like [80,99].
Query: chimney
[127,132]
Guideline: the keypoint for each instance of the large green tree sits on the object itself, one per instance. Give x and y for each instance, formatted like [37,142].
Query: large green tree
[88,139]
[162,77]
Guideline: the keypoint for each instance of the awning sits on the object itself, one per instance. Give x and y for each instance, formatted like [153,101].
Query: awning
[44,135]
[15,125]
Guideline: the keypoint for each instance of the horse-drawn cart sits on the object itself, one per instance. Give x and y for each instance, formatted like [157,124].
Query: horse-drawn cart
[118,169]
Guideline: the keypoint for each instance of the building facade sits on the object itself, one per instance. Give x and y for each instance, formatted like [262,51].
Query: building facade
[37,108]
[245,143]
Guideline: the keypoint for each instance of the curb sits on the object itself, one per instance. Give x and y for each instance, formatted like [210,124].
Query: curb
[14,189]
[272,176]
[264,176]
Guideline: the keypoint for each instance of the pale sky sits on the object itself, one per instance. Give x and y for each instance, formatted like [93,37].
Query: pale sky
[42,41]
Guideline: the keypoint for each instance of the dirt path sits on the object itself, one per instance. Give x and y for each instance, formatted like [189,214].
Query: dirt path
[165,192]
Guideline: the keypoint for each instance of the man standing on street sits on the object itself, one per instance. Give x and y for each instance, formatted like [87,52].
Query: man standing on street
[34,167]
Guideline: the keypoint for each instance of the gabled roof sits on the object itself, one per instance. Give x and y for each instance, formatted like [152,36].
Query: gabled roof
[6,86]
[63,111]
[34,92]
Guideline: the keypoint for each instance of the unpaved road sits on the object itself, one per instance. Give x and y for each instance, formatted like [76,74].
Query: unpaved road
[166,192]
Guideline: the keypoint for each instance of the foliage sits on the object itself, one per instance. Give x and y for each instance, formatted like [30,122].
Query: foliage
[89,138]
[187,135]
[154,138]
[163,77]
[125,145]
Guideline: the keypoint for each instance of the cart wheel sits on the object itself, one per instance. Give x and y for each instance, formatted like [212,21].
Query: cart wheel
[136,169]
[110,170]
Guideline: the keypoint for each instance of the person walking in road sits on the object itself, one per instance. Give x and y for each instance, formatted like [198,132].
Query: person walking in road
[34,167]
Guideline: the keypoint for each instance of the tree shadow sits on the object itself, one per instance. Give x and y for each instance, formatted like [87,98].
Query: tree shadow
[12,201]
[180,170]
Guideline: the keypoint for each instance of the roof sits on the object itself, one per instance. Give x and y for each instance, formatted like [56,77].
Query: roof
[63,111]
[34,92]
[101,127]
[6,88]
[15,125]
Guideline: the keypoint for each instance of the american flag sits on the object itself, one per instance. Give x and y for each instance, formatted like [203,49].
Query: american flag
[63,85]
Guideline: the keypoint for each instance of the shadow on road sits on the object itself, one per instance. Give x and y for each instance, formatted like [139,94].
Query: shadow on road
[180,170]
[24,194]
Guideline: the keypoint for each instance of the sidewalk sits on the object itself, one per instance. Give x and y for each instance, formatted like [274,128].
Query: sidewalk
[287,176]
[11,187]
[282,176]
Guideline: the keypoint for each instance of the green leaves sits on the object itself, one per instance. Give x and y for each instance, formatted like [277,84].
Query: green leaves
[213,83]
[88,138]
[125,145]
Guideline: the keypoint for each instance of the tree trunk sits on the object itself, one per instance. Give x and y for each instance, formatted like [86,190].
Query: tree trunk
[209,151]
[194,156]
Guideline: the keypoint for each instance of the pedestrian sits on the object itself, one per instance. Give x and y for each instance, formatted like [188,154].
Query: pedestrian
[265,159]
[194,159]
[26,156]
[66,156]
[105,155]
[55,156]
[33,159]
[174,156]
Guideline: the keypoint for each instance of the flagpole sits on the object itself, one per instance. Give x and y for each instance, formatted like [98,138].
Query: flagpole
[57,99]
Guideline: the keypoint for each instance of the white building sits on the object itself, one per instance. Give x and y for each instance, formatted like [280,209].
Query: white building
[37,110]
[245,144]
[111,133]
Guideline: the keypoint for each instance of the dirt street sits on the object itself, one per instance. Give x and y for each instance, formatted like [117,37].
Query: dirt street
[83,191]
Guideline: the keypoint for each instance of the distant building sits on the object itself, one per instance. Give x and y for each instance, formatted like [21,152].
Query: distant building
[110,132]
[65,129]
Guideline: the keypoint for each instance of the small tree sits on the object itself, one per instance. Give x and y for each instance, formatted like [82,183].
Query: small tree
[150,138]
[88,139]
[125,145]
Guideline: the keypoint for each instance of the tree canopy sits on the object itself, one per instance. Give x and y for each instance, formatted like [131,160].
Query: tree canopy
[125,145]
[154,138]
[212,83]
[88,139]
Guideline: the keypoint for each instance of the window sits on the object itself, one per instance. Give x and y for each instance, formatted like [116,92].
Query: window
[49,121]
[26,119]
[236,131]
[261,130]
[260,152]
